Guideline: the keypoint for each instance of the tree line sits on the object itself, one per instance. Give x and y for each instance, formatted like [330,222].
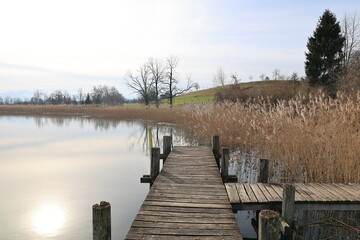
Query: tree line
[99,95]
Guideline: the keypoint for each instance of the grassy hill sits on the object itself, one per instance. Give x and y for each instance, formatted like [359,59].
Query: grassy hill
[251,89]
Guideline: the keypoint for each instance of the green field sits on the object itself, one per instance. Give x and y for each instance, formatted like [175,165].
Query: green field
[253,89]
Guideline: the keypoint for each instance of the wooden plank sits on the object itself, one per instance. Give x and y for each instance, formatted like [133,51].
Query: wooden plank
[331,195]
[244,198]
[321,197]
[266,193]
[157,219]
[185,231]
[341,189]
[250,193]
[304,193]
[352,189]
[232,193]
[306,190]
[258,193]
[278,189]
[273,193]
[186,210]
[136,236]
[150,224]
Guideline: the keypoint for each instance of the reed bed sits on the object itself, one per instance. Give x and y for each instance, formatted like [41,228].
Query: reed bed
[113,112]
[310,139]
[313,139]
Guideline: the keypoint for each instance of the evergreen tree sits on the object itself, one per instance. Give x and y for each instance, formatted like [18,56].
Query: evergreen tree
[87,100]
[324,56]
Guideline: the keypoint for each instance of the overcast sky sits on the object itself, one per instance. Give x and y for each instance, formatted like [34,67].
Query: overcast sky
[51,44]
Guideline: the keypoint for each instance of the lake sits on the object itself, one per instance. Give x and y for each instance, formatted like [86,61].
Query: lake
[52,170]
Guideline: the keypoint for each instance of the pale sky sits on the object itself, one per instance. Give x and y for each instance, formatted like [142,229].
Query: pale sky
[72,44]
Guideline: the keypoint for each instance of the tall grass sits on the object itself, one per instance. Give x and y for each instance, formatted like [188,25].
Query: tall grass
[112,112]
[313,139]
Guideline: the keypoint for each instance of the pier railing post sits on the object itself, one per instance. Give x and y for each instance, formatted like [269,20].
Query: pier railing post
[288,209]
[167,141]
[155,162]
[263,171]
[101,221]
[224,165]
[269,225]
[216,149]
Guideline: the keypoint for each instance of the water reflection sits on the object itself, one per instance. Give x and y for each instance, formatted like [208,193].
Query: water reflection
[48,219]
[53,169]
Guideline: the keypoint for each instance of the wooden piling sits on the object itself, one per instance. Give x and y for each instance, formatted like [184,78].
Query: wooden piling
[288,208]
[269,225]
[167,141]
[263,171]
[101,221]
[155,162]
[216,149]
[224,165]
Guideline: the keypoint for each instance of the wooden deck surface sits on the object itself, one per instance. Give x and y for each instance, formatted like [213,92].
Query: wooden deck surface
[245,196]
[188,200]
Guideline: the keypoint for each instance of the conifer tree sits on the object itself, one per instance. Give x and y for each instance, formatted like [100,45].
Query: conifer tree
[324,56]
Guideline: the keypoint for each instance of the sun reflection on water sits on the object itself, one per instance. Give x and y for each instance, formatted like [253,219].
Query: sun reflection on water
[48,219]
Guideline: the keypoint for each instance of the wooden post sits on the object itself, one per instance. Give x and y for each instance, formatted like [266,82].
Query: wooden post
[288,208]
[269,225]
[155,162]
[224,166]
[167,141]
[263,171]
[101,221]
[216,149]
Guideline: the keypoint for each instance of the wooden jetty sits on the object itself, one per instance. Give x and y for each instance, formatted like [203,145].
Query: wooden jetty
[187,200]
[308,196]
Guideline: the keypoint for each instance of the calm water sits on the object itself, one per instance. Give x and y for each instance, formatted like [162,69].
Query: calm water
[52,170]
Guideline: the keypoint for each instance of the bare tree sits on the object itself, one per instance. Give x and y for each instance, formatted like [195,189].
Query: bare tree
[172,80]
[276,74]
[262,77]
[81,96]
[157,70]
[351,31]
[234,78]
[219,77]
[142,83]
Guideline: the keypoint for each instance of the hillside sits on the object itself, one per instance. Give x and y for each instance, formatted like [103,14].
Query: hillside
[250,89]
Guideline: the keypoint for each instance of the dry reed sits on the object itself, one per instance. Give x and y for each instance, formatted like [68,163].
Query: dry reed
[313,139]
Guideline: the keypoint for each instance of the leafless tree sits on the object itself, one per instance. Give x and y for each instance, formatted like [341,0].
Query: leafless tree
[351,31]
[81,96]
[276,74]
[157,70]
[262,77]
[219,77]
[172,80]
[234,78]
[141,83]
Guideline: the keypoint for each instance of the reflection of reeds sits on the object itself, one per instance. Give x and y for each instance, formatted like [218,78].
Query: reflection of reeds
[315,138]
[332,224]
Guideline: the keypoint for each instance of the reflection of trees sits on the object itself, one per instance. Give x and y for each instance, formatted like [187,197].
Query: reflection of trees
[138,137]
